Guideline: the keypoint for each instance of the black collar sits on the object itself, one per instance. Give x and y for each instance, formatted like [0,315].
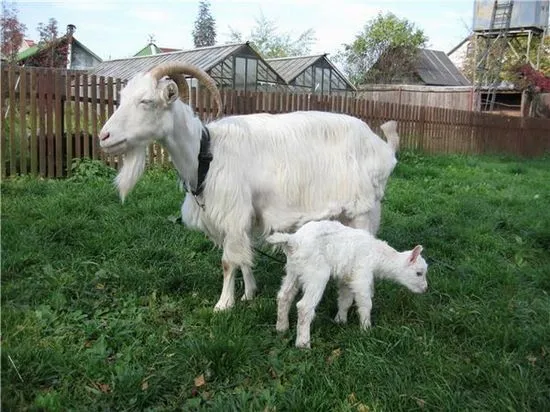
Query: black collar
[205,157]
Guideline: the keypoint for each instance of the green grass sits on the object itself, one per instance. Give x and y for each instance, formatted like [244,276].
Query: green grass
[108,306]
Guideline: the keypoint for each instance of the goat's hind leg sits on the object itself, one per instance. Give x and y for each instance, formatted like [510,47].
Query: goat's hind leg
[314,284]
[285,297]
[345,300]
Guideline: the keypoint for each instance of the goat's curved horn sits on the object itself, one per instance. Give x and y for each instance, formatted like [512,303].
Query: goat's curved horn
[176,72]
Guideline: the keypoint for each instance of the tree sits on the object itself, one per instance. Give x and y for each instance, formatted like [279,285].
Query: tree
[48,32]
[53,49]
[384,52]
[512,57]
[204,33]
[270,43]
[12,31]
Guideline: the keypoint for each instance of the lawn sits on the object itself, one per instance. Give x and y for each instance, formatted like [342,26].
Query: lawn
[108,306]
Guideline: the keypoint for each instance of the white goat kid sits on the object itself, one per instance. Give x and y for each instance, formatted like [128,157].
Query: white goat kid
[267,172]
[354,257]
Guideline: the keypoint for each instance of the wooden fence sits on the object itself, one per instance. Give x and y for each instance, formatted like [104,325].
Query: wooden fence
[50,117]
[457,98]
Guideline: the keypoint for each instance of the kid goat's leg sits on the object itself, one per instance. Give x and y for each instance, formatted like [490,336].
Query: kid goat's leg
[363,298]
[285,297]
[314,284]
[345,300]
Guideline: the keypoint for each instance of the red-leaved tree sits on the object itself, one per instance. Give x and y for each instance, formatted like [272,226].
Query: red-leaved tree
[12,31]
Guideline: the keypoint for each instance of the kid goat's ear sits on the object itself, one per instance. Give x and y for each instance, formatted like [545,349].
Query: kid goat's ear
[415,253]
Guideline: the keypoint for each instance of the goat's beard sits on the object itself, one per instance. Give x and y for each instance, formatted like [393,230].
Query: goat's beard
[132,169]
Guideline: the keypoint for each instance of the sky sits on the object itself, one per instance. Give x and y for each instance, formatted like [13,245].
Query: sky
[120,28]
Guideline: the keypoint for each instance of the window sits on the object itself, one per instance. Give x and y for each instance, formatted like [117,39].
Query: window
[251,74]
[240,72]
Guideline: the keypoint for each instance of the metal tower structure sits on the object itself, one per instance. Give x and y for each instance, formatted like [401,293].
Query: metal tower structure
[498,28]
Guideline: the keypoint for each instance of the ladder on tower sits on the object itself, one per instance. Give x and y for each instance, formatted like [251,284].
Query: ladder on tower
[489,67]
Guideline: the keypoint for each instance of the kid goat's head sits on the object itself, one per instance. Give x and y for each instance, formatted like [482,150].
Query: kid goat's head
[413,275]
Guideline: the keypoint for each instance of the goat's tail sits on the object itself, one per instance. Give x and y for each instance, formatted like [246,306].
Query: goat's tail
[390,131]
[278,238]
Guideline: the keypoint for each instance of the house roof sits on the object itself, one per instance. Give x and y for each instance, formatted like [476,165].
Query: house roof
[435,68]
[152,49]
[203,57]
[291,67]
[31,51]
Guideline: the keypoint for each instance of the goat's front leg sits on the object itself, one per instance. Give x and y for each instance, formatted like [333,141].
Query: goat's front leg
[227,299]
[363,299]
[345,300]
[249,283]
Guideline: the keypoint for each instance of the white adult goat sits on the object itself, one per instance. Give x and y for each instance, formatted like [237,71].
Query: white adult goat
[267,172]
[354,257]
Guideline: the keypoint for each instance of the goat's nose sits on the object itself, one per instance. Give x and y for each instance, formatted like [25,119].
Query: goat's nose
[104,135]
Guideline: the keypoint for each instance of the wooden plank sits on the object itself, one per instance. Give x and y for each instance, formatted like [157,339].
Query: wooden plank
[118,88]
[110,110]
[94,117]
[41,101]
[102,110]
[77,126]
[23,138]
[12,79]
[58,125]
[85,117]
[3,113]
[50,105]
[33,122]
[69,132]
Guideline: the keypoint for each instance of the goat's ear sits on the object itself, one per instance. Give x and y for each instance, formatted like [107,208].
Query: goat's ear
[170,91]
[415,253]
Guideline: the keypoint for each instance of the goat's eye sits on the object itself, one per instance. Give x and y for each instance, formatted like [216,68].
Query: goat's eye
[146,102]
[418,273]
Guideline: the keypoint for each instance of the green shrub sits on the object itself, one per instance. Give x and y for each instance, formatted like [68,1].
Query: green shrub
[88,169]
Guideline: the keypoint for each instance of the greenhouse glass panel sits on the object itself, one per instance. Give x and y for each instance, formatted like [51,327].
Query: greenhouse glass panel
[251,74]
[240,72]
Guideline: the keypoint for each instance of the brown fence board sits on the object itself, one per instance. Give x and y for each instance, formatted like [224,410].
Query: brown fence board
[59,124]
[50,118]
[23,138]
[76,108]
[11,121]
[41,136]
[68,111]
[85,124]
[93,120]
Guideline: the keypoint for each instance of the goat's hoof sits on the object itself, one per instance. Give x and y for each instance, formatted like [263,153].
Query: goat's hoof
[221,306]
[281,328]
[365,325]
[303,345]
[248,296]
[340,319]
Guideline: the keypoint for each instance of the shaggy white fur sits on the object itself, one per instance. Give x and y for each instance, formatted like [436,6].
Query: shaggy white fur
[268,173]
[354,257]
